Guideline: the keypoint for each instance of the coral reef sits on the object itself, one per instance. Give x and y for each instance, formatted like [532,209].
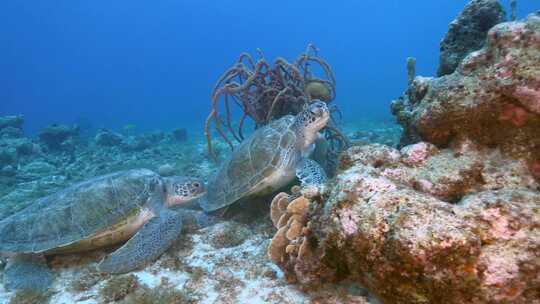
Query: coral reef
[448,216]
[493,97]
[467,32]
[55,136]
[14,121]
[108,138]
[418,226]
[291,247]
[13,145]
[224,263]
[453,216]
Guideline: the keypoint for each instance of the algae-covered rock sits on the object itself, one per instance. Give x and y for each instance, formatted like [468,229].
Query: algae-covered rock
[31,297]
[228,234]
[11,132]
[8,171]
[118,288]
[53,136]
[493,98]
[467,33]
[455,226]
[137,143]
[14,121]
[8,156]
[108,138]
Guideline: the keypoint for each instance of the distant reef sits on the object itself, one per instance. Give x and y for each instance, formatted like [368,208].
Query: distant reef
[34,167]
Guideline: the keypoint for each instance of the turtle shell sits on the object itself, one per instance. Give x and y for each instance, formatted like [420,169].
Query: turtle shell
[251,167]
[77,212]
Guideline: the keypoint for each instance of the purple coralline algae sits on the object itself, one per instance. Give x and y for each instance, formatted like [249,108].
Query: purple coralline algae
[454,226]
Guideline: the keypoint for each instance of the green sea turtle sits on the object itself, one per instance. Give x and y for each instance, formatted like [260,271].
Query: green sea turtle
[136,206]
[270,159]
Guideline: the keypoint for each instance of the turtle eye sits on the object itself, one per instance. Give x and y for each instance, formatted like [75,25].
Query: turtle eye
[196,185]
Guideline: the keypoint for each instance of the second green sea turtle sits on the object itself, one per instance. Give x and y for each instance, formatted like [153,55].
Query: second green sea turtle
[134,206]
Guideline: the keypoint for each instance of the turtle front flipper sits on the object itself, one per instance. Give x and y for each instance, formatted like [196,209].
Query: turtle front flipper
[146,245]
[27,271]
[309,172]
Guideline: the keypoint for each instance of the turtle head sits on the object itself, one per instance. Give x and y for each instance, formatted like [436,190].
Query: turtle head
[181,190]
[311,120]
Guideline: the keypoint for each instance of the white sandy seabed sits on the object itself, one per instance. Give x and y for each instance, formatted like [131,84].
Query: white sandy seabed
[240,274]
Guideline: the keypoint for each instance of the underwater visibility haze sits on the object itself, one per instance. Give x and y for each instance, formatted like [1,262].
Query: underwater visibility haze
[270,151]
[154,65]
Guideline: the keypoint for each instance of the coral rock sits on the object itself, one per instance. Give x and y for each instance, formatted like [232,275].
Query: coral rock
[290,239]
[15,121]
[492,98]
[107,138]
[418,153]
[55,135]
[298,206]
[278,245]
[467,32]
[461,226]
[11,132]
[278,207]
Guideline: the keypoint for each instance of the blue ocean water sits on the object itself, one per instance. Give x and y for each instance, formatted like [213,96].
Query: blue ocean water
[153,64]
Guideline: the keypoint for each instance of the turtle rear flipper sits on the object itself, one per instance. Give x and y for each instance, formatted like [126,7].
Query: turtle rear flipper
[146,245]
[309,172]
[27,271]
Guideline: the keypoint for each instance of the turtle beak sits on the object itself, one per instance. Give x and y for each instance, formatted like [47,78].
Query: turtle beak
[321,113]
[319,109]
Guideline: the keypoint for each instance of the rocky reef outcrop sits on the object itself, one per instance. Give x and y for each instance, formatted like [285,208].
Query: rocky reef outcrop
[13,121]
[58,136]
[492,98]
[451,217]
[108,138]
[13,144]
[467,33]
[420,225]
